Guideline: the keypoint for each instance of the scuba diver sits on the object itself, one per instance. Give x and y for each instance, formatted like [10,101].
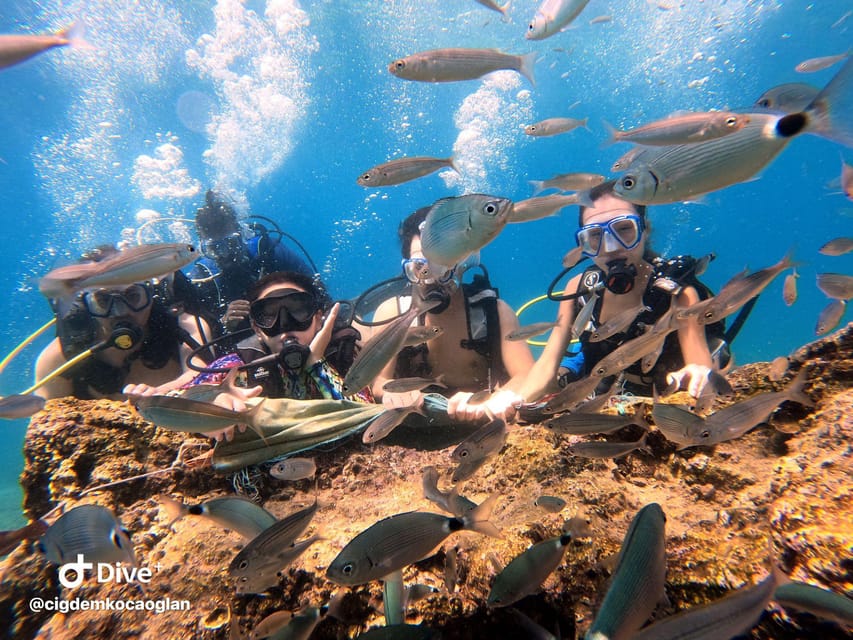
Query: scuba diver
[231,264]
[470,354]
[127,333]
[627,275]
[296,348]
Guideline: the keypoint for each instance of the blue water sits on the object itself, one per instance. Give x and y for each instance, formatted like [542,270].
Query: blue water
[284,103]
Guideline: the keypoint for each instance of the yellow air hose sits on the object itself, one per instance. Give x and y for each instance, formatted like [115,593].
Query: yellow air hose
[26,341]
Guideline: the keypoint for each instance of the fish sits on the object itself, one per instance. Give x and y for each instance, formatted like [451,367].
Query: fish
[271,545]
[393,598]
[847,180]
[488,439]
[702,263]
[778,368]
[191,416]
[601,19]
[578,424]
[293,469]
[232,512]
[735,294]
[790,97]
[16,48]
[270,625]
[836,285]
[494,6]
[382,347]
[830,317]
[20,406]
[728,617]
[819,64]
[451,501]
[571,394]
[551,504]
[627,158]
[136,264]
[458,226]
[400,540]
[456,64]
[9,540]
[573,257]
[554,126]
[635,349]
[552,16]
[405,385]
[823,603]
[540,207]
[576,181]
[417,592]
[638,582]
[584,316]
[451,574]
[680,425]
[837,247]
[618,323]
[386,422]
[402,170]
[789,288]
[527,571]
[688,128]
[269,574]
[602,450]
[419,335]
[578,527]
[467,468]
[91,530]
[530,331]
[297,627]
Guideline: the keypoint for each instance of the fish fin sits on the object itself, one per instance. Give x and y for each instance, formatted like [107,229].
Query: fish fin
[795,392]
[537,186]
[528,60]
[175,509]
[584,200]
[612,135]
[452,164]
[829,114]
[640,418]
[478,519]
[75,34]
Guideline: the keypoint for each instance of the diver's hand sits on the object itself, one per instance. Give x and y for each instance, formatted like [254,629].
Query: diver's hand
[692,376]
[235,314]
[321,341]
[140,390]
[235,399]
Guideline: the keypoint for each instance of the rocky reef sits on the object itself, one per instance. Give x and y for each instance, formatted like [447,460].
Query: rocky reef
[784,486]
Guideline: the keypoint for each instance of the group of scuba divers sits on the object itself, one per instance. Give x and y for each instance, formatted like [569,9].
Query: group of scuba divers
[259,306]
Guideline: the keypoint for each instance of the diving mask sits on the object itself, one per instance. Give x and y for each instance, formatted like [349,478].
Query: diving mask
[420,271]
[626,229]
[284,310]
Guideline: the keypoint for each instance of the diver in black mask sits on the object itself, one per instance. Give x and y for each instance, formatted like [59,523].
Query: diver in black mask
[626,275]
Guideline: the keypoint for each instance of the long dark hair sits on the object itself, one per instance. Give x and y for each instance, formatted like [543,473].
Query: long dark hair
[409,228]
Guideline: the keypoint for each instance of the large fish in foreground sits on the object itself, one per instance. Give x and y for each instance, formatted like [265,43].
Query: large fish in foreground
[682,172]
[90,530]
[457,227]
[452,65]
[552,16]
[400,540]
[15,48]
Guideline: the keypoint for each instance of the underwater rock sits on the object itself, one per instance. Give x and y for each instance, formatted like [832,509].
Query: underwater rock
[788,482]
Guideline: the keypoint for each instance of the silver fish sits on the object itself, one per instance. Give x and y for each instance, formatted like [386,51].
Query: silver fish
[386,422]
[487,440]
[638,583]
[456,227]
[405,385]
[270,625]
[393,598]
[527,571]
[20,406]
[584,316]
[573,257]
[617,323]
[581,424]
[540,207]
[819,64]
[270,544]
[551,504]
[17,48]
[603,450]
[554,126]
[298,627]
[729,617]
[191,416]
[382,347]
[451,501]
[789,288]
[837,247]
[552,16]
[568,182]
[680,426]
[402,170]
[778,368]
[830,317]
[494,6]
[820,602]
[626,159]
[232,512]
[268,575]
[451,573]
[418,335]
[452,65]
[91,530]
[847,180]
[571,395]
[467,468]
[400,540]
[578,527]
[790,97]
[136,264]
[689,128]
[601,19]
[530,331]
[836,285]
[417,592]
[629,352]
[293,469]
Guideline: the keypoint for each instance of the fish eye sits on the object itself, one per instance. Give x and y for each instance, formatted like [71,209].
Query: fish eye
[244,565]
[366,176]
[400,64]
[600,371]
[347,569]
[731,121]
[764,103]
[531,27]
[628,182]
[244,579]
[490,208]
[709,315]
[463,453]
[117,539]
[705,434]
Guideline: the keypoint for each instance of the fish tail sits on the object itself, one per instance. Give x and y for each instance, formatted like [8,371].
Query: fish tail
[612,135]
[175,509]
[642,445]
[75,34]
[640,419]
[452,164]
[795,392]
[478,519]
[583,198]
[528,60]
[537,185]
[830,115]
